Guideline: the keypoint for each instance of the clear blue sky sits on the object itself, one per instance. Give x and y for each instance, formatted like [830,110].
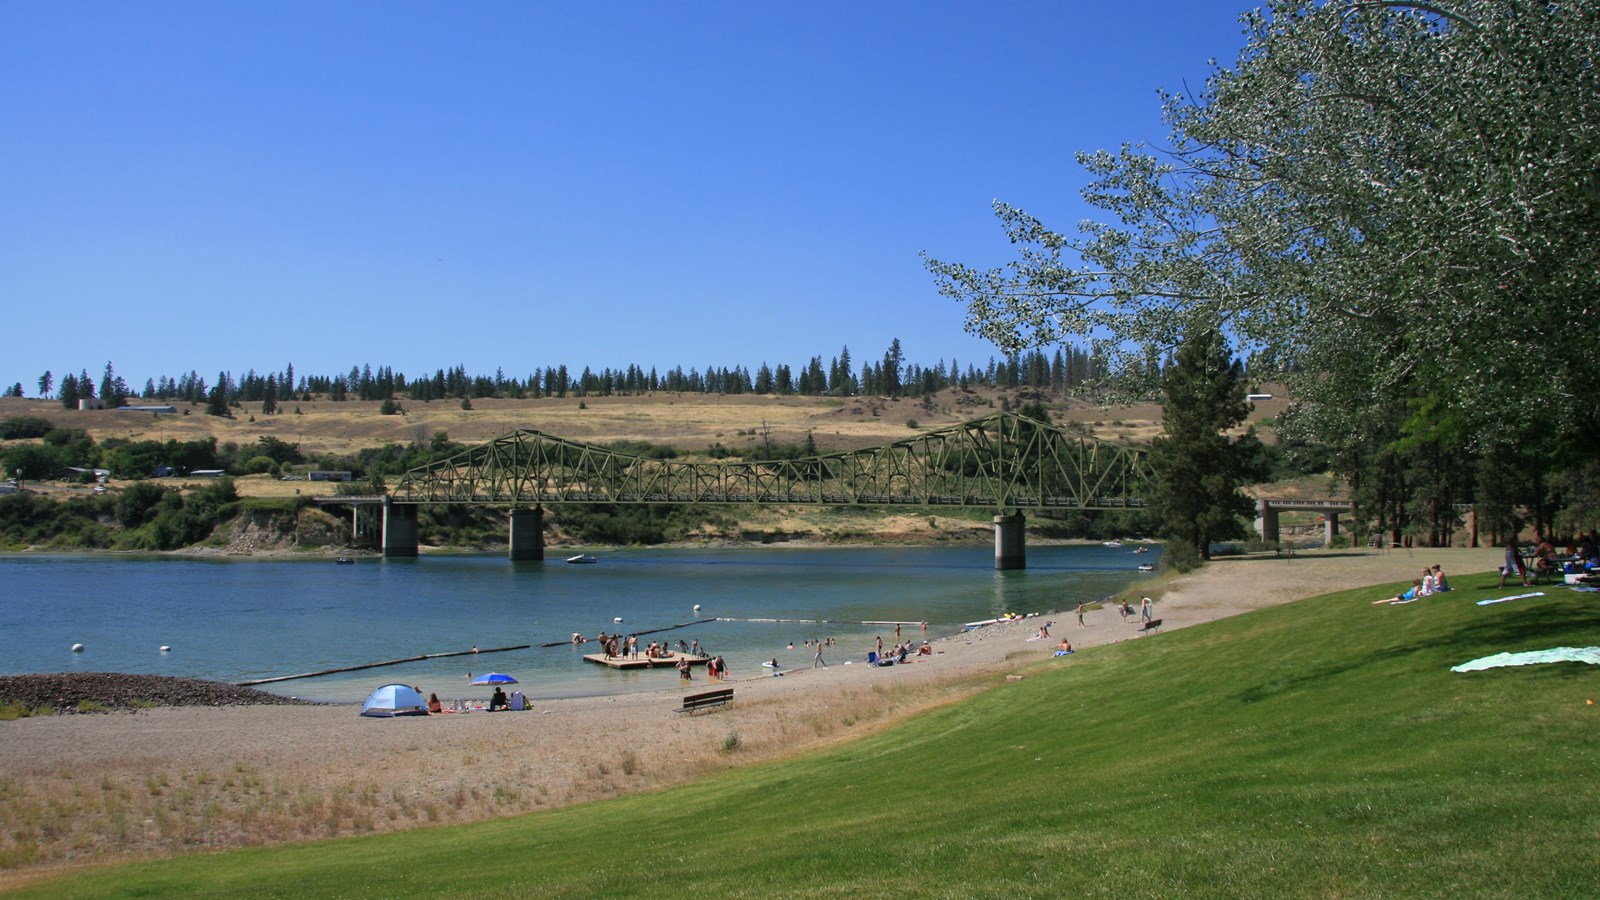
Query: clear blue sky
[244,185]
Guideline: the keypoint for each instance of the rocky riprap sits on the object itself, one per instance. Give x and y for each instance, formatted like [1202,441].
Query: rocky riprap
[111,690]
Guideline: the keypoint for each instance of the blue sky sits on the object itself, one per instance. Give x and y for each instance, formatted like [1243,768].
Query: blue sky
[236,185]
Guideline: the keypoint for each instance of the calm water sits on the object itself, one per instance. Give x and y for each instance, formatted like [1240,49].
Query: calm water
[230,620]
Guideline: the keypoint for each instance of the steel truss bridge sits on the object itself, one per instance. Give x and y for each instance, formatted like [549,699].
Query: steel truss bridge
[1002,461]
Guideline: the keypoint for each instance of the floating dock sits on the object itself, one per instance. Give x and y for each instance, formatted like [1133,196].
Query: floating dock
[644,662]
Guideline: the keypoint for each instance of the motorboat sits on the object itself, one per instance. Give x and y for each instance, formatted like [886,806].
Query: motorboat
[1141,550]
[345,561]
[582,559]
[1113,543]
[1147,567]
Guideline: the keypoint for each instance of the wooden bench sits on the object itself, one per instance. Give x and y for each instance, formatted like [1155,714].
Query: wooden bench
[717,697]
[1152,625]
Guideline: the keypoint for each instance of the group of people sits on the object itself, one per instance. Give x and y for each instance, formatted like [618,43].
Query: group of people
[716,668]
[497,701]
[1126,610]
[1432,582]
[898,652]
[1584,552]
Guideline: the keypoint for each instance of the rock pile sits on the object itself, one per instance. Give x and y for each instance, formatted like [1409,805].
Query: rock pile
[111,690]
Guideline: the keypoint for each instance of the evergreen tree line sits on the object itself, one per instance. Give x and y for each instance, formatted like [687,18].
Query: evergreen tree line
[1067,369]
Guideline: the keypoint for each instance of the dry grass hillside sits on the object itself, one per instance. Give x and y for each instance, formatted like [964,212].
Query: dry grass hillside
[687,422]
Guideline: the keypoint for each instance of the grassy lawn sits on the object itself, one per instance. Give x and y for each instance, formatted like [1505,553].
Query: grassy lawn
[1321,748]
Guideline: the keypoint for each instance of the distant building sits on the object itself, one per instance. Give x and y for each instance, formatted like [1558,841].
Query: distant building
[208,473]
[91,403]
[151,409]
[327,475]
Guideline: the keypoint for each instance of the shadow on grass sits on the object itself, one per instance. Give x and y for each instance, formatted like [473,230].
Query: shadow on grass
[1540,625]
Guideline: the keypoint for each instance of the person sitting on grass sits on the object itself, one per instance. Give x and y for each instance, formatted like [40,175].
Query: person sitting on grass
[1412,593]
[1544,557]
[1440,585]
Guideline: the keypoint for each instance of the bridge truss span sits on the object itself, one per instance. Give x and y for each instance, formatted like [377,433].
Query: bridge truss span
[1002,461]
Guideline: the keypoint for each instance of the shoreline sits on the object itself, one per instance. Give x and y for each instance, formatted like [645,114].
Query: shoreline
[177,779]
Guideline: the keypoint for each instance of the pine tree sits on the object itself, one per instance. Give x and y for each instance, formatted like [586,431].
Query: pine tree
[1198,469]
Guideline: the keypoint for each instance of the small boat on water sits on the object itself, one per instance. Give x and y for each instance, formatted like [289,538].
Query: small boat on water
[1113,543]
[1142,550]
[345,561]
[582,559]
[1147,567]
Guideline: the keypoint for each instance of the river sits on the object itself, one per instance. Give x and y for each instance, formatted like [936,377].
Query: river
[238,619]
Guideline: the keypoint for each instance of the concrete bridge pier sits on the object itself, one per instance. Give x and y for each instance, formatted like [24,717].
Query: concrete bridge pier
[399,530]
[1010,542]
[1330,527]
[1267,521]
[526,540]
[366,526]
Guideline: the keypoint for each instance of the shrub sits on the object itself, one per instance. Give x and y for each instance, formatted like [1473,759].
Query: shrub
[1180,556]
[18,427]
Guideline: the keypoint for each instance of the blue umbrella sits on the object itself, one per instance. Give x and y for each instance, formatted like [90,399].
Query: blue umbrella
[493,678]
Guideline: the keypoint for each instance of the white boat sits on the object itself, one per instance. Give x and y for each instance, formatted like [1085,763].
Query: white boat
[1147,567]
[581,559]
[1113,543]
[1142,550]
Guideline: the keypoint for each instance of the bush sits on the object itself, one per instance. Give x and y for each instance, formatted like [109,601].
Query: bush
[1180,556]
[136,504]
[19,427]
[257,465]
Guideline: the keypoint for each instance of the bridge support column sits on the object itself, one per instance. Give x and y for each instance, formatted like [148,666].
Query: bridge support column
[1010,542]
[399,530]
[366,526]
[1330,527]
[526,540]
[1267,521]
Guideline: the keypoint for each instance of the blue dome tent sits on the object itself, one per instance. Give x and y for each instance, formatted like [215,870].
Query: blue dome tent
[395,700]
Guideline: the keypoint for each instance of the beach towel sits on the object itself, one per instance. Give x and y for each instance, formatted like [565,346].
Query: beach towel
[1512,597]
[1590,655]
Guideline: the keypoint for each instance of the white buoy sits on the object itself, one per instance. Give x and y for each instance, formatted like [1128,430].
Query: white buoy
[165,648]
[697,607]
[77,648]
[618,619]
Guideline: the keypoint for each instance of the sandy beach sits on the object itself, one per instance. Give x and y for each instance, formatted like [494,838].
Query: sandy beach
[90,788]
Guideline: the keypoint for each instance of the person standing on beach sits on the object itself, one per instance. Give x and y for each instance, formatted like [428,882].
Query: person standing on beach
[1144,610]
[818,660]
[1080,615]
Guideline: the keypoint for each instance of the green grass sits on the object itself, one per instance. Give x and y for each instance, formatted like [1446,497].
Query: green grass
[1321,748]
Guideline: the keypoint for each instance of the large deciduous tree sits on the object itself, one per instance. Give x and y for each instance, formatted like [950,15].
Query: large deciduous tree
[1400,201]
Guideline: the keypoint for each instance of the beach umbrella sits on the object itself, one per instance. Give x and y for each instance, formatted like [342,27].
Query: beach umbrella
[395,700]
[493,678]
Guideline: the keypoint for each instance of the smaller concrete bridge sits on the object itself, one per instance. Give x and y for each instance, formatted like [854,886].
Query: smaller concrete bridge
[1267,511]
